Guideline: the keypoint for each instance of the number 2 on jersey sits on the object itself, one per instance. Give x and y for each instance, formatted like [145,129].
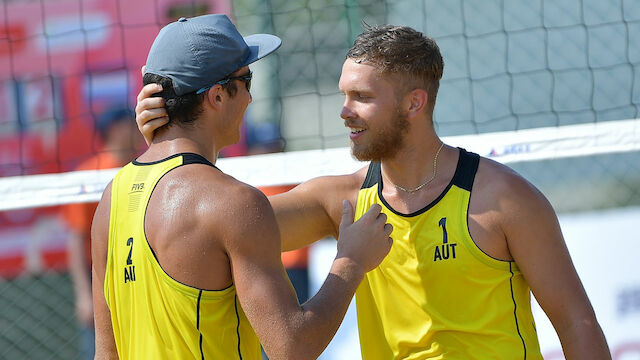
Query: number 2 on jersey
[129,269]
[130,244]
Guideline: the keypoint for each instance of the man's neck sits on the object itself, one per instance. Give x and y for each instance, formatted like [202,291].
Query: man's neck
[174,141]
[414,163]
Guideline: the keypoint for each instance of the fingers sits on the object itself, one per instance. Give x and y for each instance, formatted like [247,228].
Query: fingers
[149,117]
[152,125]
[347,214]
[149,109]
[381,220]
[149,104]
[374,216]
[148,90]
[373,211]
[152,116]
[146,114]
[388,229]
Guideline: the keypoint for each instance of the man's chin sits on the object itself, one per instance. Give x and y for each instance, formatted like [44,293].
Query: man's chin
[362,155]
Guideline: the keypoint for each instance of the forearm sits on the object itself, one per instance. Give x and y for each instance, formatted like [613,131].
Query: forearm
[295,241]
[105,346]
[301,223]
[78,267]
[583,340]
[311,329]
[81,282]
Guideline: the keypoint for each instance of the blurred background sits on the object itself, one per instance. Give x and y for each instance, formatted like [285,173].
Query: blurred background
[70,72]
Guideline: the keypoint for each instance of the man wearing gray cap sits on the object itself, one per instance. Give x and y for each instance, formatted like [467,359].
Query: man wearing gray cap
[186,259]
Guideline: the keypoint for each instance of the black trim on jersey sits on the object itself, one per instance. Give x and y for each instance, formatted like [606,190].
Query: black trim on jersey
[187,158]
[193,158]
[466,169]
[463,177]
[235,302]
[198,323]
[465,180]
[144,219]
[373,177]
[515,307]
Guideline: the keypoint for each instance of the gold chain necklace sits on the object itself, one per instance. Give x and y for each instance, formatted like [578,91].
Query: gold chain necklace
[427,182]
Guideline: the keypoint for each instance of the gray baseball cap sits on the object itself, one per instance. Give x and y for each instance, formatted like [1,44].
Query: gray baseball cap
[196,52]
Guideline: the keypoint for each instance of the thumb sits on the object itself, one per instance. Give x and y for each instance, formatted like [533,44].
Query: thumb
[143,69]
[347,214]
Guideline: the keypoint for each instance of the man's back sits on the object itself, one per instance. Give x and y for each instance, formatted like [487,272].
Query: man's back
[155,286]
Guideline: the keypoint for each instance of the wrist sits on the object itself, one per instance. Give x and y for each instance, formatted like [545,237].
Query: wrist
[347,269]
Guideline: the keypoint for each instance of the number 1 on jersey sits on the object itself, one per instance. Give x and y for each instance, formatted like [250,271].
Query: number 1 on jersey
[446,250]
[443,225]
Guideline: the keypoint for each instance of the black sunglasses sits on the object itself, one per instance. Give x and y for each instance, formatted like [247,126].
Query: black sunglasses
[244,78]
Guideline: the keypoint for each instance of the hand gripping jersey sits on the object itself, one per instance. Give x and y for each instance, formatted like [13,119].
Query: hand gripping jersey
[153,315]
[437,295]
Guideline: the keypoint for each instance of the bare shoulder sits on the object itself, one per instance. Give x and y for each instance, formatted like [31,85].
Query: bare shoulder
[503,184]
[248,225]
[241,203]
[501,189]
[208,191]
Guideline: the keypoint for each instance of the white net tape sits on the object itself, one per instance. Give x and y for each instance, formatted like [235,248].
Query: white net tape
[295,167]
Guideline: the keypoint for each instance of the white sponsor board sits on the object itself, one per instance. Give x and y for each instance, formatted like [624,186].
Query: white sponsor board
[605,248]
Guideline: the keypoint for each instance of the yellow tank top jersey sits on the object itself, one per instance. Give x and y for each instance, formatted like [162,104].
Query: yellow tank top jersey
[437,295]
[153,315]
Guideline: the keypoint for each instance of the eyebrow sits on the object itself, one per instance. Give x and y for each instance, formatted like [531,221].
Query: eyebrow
[359,91]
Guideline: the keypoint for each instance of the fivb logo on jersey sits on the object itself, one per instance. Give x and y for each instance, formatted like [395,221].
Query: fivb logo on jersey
[447,250]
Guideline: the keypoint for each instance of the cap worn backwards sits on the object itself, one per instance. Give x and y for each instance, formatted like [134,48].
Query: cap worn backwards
[199,51]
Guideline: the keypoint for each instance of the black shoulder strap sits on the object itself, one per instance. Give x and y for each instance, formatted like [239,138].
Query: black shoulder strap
[187,158]
[192,158]
[373,175]
[466,169]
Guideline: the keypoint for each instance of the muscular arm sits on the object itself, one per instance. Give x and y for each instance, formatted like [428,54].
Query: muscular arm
[535,241]
[105,343]
[311,211]
[286,329]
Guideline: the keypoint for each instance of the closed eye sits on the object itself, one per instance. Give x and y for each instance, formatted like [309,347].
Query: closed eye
[359,96]
[362,97]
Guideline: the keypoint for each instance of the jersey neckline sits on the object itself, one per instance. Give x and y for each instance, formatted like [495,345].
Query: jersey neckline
[192,157]
[462,153]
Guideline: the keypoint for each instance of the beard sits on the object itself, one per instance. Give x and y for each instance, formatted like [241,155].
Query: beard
[385,142]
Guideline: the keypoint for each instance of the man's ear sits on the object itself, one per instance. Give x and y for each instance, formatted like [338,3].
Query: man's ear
[216,96]
[416,101]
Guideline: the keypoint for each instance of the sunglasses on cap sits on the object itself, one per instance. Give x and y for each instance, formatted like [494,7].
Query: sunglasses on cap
[244,78]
